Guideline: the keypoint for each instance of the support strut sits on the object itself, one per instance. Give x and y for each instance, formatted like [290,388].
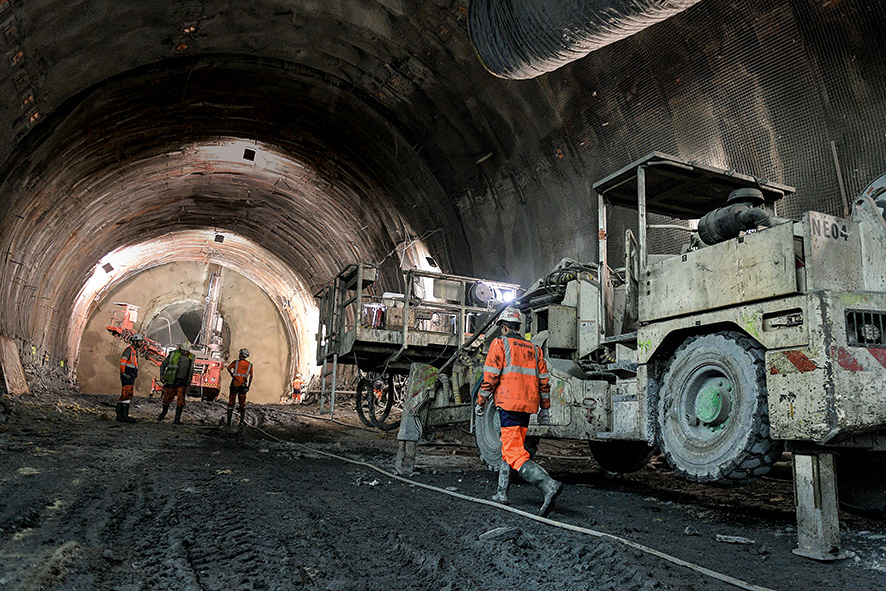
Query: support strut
[815,500]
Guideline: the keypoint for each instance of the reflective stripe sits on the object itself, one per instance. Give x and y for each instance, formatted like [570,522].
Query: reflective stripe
[509,367]
[544,376]
[526,371]
[485,394]
[492,370]
[242,375]
[129,358]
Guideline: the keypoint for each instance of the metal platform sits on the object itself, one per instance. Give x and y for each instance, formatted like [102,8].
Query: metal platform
[387,332]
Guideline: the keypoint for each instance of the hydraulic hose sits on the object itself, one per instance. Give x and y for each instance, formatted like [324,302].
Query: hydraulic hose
[520,39]
[544,520]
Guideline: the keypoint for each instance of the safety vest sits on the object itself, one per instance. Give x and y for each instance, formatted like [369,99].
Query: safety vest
[172,368]
[128,359]
[516,374]
[240,373]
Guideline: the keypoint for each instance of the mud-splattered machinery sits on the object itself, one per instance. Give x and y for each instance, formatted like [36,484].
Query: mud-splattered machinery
[383,334]
[752,335]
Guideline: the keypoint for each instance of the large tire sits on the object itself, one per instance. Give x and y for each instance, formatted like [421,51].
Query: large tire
[621,457]
[487,431]
[713,413]
[861,482]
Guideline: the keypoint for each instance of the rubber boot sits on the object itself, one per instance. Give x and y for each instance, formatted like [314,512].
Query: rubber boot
[125,413]
[119,412]
[242,416]
[178,415]
[163,413]
[539,478]
[230,414]
[504,479]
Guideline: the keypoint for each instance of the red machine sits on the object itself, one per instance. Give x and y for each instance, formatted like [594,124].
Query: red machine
[208,365]
[149,349]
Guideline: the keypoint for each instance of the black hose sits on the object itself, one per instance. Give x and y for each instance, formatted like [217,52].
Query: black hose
[519,39]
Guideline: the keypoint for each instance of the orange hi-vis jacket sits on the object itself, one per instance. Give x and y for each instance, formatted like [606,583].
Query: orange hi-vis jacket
[516,374]
[128,359]
[241,372]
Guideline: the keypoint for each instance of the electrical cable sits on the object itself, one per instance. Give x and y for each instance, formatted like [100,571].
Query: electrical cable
[567,526]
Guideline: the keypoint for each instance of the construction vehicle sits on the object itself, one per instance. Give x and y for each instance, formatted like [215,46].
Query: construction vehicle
[124,327]
[384,334]
[209,358]
[753,334]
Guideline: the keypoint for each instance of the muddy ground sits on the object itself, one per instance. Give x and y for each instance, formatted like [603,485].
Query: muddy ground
[89,503]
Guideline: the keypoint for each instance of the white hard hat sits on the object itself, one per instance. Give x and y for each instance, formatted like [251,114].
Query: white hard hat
[244,352]
[137,337]
[184,345]
[511,315]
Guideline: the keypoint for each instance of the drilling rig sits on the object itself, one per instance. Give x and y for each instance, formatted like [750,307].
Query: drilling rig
[208,347]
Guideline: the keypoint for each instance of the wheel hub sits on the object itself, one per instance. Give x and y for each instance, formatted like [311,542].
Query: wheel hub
[713,402]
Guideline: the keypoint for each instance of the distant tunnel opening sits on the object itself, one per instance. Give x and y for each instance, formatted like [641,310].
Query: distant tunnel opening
[264,307]
[183,321]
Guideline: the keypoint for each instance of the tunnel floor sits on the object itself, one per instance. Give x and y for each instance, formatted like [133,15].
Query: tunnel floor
[89,503]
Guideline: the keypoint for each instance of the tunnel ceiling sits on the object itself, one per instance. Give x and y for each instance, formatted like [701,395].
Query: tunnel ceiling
[374,122]
[122,110]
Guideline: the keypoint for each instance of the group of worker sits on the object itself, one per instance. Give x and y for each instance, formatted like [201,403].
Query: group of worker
[175,373]
[515,381]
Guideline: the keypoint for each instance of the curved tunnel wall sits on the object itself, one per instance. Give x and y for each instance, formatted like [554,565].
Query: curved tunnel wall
[319,197]
[387,104]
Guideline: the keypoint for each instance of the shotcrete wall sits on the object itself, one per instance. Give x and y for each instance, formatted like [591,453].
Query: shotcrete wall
[251,317]
[793,91]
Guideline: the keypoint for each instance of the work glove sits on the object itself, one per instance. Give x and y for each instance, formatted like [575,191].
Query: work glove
[480,409]
[544,417]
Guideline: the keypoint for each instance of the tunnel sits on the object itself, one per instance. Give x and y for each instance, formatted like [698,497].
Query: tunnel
[323,135]
[205,173]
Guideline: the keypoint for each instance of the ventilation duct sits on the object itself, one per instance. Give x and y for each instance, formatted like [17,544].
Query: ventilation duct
[519,39]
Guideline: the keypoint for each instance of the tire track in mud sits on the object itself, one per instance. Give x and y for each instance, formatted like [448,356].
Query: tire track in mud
[152,506]
[405,550]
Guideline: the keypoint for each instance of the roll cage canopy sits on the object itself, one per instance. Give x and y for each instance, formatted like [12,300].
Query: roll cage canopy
[678,188]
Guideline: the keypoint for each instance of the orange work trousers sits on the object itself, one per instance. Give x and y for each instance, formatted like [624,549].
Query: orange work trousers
[237,393]
[513,446]
[170,392]
[126,393]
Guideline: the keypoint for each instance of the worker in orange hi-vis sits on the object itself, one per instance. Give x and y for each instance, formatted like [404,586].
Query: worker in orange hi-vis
[516,379]
[297,387]
[241,379]
[128,373]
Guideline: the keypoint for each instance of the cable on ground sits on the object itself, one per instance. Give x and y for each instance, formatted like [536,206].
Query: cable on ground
[567,526]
